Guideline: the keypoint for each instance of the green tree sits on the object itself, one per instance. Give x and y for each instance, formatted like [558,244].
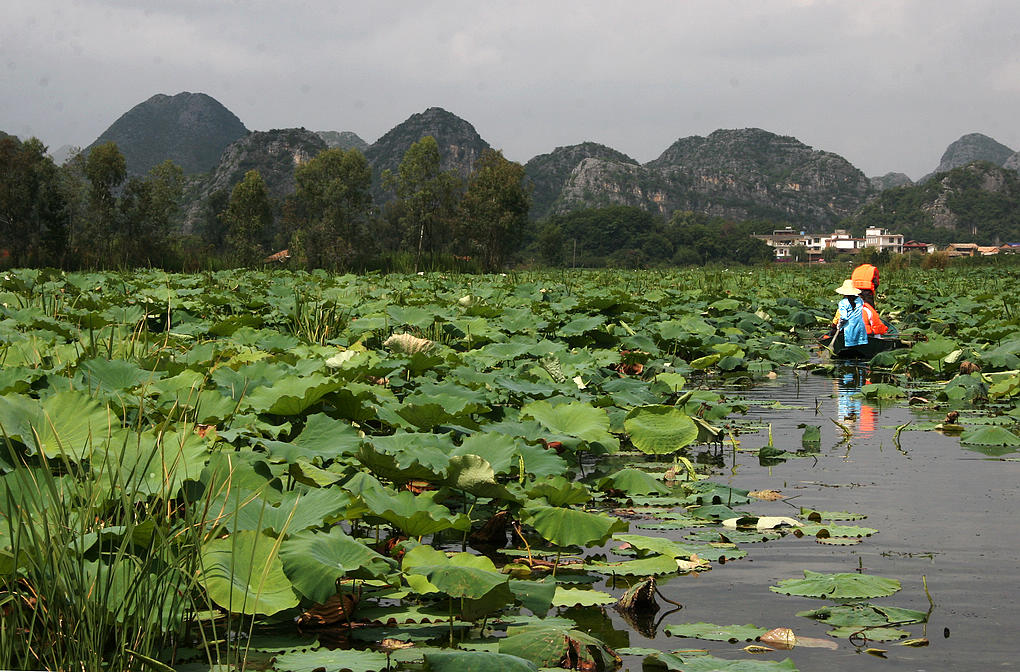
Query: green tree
[249,219]
[550,244]
[495,208]
[105,170]
[427,196]
[333,190]
[148,208]
[33,210]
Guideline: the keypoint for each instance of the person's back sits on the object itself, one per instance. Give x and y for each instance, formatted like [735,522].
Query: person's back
[873,324]
[865,278]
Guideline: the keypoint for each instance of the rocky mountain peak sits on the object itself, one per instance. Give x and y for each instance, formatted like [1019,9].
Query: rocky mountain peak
[973,147]
[190,129]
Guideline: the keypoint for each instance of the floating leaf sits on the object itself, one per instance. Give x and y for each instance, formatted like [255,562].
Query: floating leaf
[841,586]
[476,661]
[570,527]
[717,633]
[660,430]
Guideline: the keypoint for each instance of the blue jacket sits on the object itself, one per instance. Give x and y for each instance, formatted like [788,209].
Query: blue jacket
[851,321]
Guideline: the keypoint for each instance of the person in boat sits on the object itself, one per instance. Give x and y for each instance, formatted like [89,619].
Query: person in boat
[850,315]
[873,324]
[865,278]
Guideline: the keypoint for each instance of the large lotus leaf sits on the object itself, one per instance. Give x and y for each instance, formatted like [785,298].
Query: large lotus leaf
[495,448]
[548,646]
[404,456]
[243,574]
[580,597]
[540,461]
[716,633]
[574,419]
[654,565]
[290,395]
[315,560]
[476,661]
[864,615]
[473,474]
[882,391]
[114,375]
[633,482]
[536,596]
[414,515]
[990,436]
[560,491]
[69,423]
[697,663]
[933,350]
[570,527]
[335,659]
[233,475]
[841,586]
[660,430]
[323,437]
[296,511]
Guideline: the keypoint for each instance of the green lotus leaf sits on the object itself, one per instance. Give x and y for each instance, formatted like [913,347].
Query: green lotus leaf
[574,597]
[575,419]
[291,395]
[152,463]
[476,661]
[315,560]
[633,482]
[495,448]
[335,659]
[570,527]
[837,530]
[546,647]
[67,423]
[654,565]
[990,436]
[114,375]
[697,663]
[560,491]
[473,474]
[871,633]
[243,574]
[932,350]
[841,586]
[323,437]
[882,391]
[716,633]
[295,512]
[405,456]
[660,430]
[864,615]
[536,596]
[818,516]
[414,515]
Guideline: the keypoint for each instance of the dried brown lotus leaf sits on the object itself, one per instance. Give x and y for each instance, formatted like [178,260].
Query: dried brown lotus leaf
[408,344]
[766,495]
[917,641]
[757,648]
[781,638]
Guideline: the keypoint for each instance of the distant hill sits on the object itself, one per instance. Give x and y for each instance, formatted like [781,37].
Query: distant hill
[979,202]
[1013,162]
[890,180]
[190,129]
[969,148]
[738,174]
[343,140]
[459,144]
[548,173]
[274,154]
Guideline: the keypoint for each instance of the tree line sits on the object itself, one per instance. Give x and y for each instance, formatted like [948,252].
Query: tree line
[89,213]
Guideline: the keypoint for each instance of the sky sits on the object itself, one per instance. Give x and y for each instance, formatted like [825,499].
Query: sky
[887,84]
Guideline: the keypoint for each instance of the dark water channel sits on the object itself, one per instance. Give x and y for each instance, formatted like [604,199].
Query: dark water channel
[941,511]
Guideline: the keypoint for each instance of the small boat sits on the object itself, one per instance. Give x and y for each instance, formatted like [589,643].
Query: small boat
[866,351]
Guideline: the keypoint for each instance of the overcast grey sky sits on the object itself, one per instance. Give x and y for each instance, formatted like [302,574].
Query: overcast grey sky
[888,84]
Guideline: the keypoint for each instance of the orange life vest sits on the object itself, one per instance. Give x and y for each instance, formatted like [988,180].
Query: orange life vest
[873,324]
[865,276]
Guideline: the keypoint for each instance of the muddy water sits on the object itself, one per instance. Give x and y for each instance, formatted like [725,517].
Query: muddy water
[941,511]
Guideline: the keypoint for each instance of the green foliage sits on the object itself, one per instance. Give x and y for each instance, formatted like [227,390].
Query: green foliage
[495,209]
[248,217]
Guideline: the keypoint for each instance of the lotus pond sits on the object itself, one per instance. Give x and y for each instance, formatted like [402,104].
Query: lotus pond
[295,472]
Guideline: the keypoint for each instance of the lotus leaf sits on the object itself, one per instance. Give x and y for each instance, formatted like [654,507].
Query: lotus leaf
[322,438]
[717,633]
[573,419]
[326,659]
[653,565]
[243,574]
[536,596]
[697,663]
[476,661]
[67,423]
[882,391]
[314,561]
[633,482]
[473,474]
[864,614]
[660,430]
[570,527]
[550,646]
[990,436]
[414,515]
[291,395]
[559,491]
[572,597]
[840,586]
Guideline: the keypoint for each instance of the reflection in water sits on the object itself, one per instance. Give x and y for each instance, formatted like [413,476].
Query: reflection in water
[851,407]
